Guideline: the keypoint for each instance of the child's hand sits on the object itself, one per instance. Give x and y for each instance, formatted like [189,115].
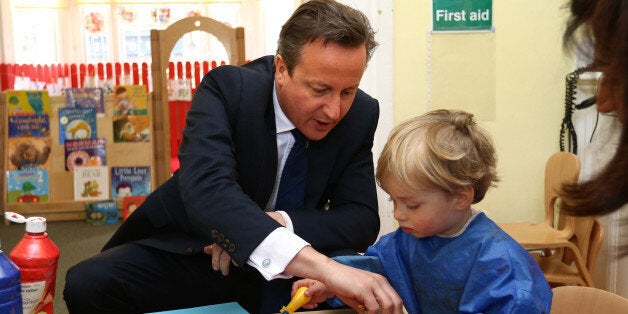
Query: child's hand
[316,290]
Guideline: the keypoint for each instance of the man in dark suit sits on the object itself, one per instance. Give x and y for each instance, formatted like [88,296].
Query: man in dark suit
[224,200]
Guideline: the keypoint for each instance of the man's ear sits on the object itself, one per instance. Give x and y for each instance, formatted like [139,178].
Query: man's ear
[464,197]
[280,70]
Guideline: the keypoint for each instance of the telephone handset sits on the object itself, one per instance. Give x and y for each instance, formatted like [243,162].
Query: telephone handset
[566,126]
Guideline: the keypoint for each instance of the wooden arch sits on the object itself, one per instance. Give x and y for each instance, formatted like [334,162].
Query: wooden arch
[162,43]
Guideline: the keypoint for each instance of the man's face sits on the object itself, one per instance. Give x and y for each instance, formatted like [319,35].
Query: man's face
[322,86]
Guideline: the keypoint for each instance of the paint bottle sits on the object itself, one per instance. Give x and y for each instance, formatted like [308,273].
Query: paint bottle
[37,257]
[10,293]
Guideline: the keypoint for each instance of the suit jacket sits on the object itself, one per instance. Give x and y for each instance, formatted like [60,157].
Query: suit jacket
[228,169]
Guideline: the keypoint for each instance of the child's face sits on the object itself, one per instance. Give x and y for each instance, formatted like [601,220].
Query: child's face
[427,212]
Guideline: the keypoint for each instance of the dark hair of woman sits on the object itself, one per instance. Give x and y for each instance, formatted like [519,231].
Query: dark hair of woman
[605,23]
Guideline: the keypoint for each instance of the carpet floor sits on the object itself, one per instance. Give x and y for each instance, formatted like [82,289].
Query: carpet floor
[76,240]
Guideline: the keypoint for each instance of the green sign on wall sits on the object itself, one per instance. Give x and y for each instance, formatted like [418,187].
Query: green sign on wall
[462,15]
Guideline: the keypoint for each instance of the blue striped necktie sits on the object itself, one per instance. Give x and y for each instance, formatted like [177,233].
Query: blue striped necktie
[291,192]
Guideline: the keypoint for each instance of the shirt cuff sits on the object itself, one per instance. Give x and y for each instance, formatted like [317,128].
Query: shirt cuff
[271,262]
[287,219]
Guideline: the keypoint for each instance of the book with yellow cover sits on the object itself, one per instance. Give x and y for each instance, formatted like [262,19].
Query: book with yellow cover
[27,102]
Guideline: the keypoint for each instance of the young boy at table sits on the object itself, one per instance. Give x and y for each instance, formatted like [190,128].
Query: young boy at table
[445,256]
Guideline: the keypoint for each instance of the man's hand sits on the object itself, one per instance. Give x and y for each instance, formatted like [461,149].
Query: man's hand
[220,259]
[277,216]
[362,290]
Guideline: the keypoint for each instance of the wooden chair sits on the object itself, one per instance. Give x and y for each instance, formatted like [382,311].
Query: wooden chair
[560,268]
[585,300]
[558,238]
[561,167]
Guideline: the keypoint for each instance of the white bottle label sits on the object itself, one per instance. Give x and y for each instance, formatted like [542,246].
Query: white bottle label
[32,293]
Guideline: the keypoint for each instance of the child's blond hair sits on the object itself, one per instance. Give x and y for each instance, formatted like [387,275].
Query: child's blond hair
[443,149]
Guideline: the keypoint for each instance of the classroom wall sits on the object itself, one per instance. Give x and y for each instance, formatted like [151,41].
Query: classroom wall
[512,79]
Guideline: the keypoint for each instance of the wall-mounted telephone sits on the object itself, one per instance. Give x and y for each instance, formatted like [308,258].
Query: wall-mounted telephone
[566,128]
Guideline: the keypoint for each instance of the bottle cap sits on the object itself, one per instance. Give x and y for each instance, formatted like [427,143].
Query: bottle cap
[36,224]
[33,224]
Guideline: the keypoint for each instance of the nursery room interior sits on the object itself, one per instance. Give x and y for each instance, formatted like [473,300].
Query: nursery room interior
[94,96]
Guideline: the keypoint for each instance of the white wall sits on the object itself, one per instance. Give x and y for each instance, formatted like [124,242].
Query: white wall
[378,81]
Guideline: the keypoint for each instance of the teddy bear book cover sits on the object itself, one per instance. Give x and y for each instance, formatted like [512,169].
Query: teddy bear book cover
[91,183]
[28,142]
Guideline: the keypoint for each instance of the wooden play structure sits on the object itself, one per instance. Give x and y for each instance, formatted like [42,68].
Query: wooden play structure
[156,153]
[162,43]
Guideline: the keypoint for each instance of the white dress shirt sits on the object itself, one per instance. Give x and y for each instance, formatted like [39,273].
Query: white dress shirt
[269,261]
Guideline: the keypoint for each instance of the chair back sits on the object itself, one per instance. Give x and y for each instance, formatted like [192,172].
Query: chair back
[581,300]
[595,243]
[561,168]
[588,237]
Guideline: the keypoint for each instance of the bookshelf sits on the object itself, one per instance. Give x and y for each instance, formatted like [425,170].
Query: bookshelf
[61,204]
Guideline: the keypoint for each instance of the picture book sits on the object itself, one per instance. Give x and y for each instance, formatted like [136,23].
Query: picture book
[77,123]
[91,183]
[102,213]
[130,100]
[131,129]
[36,125]
[127,181]
[27,102]
[130,204]
[89,152]
[27,186]
[26,153]
[86,97]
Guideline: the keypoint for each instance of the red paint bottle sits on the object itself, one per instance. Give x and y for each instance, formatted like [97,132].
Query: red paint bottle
[37,257]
